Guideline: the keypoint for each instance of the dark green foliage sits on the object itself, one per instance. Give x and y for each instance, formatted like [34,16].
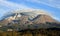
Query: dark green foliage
[36,32]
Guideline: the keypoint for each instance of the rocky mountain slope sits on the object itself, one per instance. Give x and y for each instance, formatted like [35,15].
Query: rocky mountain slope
[30,19]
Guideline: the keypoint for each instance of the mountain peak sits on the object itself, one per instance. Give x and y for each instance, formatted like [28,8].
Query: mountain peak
[27,18]
[43,19]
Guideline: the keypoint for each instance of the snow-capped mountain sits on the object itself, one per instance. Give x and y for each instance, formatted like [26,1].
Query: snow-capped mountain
[35,16]
[25,18]
[30,13]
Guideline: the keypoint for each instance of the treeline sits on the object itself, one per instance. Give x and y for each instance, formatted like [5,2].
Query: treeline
[35,32]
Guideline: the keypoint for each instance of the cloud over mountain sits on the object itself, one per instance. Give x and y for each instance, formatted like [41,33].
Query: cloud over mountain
[28,19]
[49,5]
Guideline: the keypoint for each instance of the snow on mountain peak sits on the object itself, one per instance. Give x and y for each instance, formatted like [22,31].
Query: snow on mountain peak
[30,13]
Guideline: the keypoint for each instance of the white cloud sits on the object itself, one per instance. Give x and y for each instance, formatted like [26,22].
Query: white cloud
[6,6]
[12,5]
[56,18]
[51,3]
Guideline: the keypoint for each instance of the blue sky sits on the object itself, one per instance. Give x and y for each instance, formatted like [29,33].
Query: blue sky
[52,6]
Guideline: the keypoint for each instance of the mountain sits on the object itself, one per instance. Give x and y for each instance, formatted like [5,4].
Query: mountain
[43,19]
[29,19]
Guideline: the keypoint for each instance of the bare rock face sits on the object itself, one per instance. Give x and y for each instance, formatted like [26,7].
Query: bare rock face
[43,19]
[23,19]
[4,22]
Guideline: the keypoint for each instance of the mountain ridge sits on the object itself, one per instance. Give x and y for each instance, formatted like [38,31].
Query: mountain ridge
[30,17]
[24,20]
